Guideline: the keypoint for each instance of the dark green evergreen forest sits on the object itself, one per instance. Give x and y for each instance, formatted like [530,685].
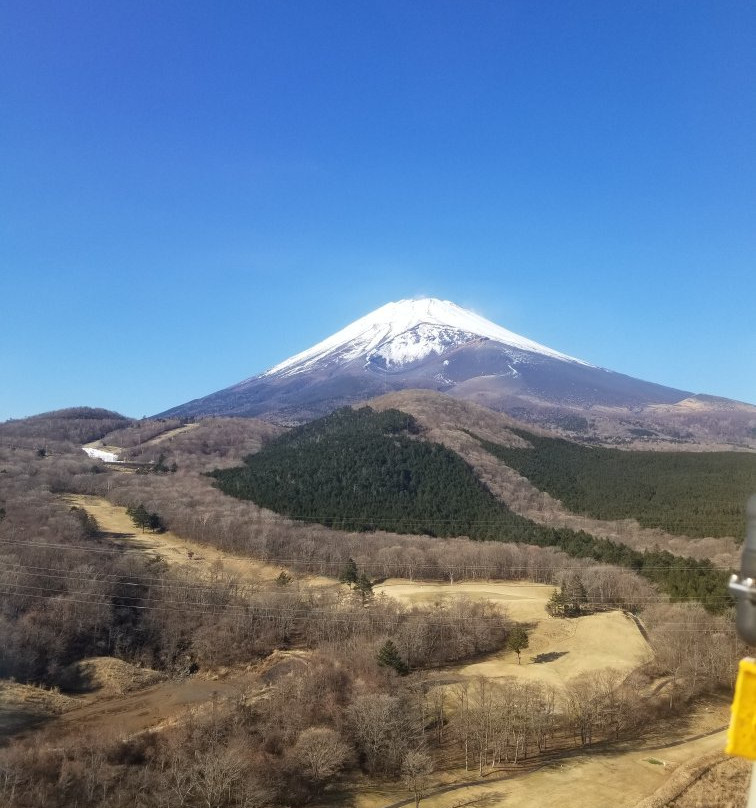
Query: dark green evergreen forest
[364,470]
[694,494]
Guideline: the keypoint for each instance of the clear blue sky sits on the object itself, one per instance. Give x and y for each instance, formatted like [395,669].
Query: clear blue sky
[191,192]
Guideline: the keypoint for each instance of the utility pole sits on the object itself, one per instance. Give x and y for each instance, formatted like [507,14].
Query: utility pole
[741,738]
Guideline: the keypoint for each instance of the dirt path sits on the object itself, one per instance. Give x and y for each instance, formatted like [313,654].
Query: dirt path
[118,450]
[171,433]
[153,705]
[199,560]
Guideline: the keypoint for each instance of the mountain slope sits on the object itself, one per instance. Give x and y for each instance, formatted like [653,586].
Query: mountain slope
[366,470]
[437,345]
[465,428]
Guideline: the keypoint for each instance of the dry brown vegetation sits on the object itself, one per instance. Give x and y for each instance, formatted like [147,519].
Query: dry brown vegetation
[306,701]
[711,780]
[139,432]
[205,445]
[723,784]
[22,705]
[108,675]
[76,425]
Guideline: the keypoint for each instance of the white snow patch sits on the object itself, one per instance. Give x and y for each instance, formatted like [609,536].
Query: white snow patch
[407,331]
[99,454]
[419,342]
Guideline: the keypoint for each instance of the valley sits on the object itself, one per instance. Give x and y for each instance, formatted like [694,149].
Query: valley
[192,560]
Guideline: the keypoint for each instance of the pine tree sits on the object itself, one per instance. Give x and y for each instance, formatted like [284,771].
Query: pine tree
[575,595]
[557,604]
[284,579]
[388,657]
[139,516]
[145,520]
[349,573]
[364,586]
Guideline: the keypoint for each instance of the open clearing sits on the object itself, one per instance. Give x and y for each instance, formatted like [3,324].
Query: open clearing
[568,647]
[24,707]
[154,705]
[163,436]
[171,433]
[200,560]
[524,601]
[597,778]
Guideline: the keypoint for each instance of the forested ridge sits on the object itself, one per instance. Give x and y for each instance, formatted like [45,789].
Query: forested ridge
[694,494]
[366,470]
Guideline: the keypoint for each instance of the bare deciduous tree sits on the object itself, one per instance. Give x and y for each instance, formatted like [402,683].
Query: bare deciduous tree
[322,752]
[416,769]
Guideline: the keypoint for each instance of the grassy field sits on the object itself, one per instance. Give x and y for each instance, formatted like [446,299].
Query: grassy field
[199,560]
[567,647]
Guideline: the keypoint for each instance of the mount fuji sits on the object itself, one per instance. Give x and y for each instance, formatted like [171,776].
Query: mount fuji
[437,345]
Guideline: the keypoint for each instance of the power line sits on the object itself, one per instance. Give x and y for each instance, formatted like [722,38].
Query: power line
[242,591]
[42,572]
[256,610]
[372,621]
[116,578]
[160,585]
[396,564]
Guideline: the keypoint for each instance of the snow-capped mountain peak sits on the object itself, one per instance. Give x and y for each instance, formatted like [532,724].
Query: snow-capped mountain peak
[431,344]
[408,331]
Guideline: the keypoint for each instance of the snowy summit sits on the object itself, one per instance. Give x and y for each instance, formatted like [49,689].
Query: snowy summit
[405,332]
[432,344]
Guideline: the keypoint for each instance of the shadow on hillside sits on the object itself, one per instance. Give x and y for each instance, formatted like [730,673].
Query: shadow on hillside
[77,678]
[549,656]
[112,534]
[15,718]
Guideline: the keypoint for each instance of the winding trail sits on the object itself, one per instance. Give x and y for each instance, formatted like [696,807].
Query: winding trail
[194,559]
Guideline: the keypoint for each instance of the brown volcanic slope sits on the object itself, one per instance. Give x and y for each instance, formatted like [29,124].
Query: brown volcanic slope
[446,420]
